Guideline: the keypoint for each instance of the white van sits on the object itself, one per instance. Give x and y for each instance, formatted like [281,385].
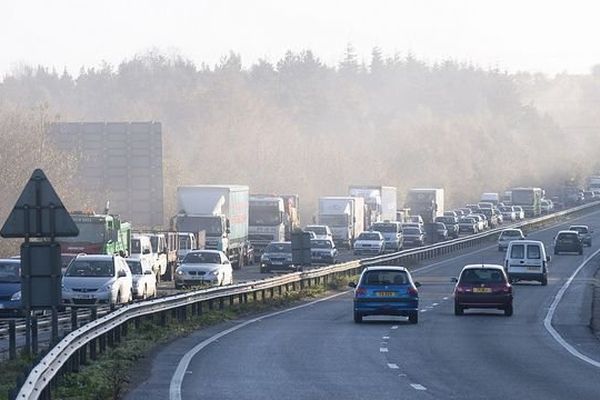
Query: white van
[526,260]
[141,248]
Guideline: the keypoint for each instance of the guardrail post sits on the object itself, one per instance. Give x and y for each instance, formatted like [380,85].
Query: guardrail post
[280,290]
[163,318]
[94,313]
[110,338]
[255,296]
[174,313]
[73,319]
[12,339]
[200,308]
[102,340]
[124,328]
[245,298]
[241,299]
[137,323]
[272,292]
[211,305]
[231,300]
[75,361]
[263,294]
[93,355]
[34,335]
[83,354]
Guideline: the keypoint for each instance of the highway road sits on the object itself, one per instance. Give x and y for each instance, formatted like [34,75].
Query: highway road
[316,351]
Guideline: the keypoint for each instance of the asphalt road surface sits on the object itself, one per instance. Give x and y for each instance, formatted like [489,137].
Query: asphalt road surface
[318,352]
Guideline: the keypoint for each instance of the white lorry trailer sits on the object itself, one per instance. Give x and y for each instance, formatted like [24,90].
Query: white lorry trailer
[426,202]
[221,211]
[381,202]
[344,216]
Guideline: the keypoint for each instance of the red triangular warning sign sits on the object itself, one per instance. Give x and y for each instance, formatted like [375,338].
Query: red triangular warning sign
[39,212]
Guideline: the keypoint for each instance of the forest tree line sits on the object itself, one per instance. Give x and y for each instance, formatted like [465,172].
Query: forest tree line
[299,125]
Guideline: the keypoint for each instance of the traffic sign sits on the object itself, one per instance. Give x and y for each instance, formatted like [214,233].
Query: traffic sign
[39,212]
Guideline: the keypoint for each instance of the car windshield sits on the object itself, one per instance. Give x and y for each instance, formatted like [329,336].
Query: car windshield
[385,277]
[506,209]
[510,234]
[10,272]
[279,248]
[91,268]
[264,214]
[202,257]
[580,229]
[135,267]
[388,228]
[467,221]
[319,230]
[90,231]
[481,275]
[320,244]
[211,225]
[369,236]
[568,236]
[411,231]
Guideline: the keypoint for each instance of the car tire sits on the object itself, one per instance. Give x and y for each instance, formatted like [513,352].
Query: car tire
[556,252]
[413,317]
[458,310]
[357,317]
[178,287]
[508,311]
[544,280]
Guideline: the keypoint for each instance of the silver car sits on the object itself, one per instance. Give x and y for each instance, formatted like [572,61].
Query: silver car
[204,267]
[97,279]
[144,280]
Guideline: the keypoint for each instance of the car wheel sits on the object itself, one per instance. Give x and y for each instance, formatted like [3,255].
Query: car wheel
[357,317]
[413,317]
[555,252]
[458,310]
[544,280]
[263,270]
[178,287]
[508,311]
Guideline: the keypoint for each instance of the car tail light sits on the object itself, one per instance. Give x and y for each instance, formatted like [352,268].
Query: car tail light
[507,288]
[413,291]
[460,289]
[360,291]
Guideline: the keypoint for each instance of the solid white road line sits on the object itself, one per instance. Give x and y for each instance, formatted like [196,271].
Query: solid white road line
[178,375]
[417,386]
[552,309]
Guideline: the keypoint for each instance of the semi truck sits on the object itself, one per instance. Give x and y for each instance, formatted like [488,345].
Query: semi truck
[344,216]
[98,234]
[490,197]
[221,211]
[380,202]
[529,198]
[267,222]
[426,202]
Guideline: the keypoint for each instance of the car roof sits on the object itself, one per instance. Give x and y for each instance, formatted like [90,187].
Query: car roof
[528,242]
[479,266]
[384,268]
[206,251]
[512,230]
[278,243]
[10,260]
[95,257]
[578,226]
[566,232]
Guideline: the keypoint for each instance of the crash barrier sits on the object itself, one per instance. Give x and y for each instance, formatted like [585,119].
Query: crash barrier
[88,341]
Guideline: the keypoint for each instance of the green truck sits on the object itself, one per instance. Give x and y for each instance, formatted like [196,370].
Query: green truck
[98,234]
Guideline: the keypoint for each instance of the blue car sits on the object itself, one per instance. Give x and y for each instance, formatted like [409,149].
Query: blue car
[10,288]
[386,291]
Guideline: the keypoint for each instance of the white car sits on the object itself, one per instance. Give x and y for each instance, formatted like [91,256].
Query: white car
[321,231]
[204,267]
[97,279]
[370,242]
[144,280]
[519,212]
[481,226]
[508,213]
[507,236]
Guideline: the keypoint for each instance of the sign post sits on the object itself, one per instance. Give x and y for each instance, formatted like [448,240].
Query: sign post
[39,216]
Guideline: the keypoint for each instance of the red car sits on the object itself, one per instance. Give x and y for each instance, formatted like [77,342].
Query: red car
[483,286]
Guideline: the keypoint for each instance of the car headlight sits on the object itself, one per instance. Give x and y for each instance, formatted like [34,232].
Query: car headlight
[106,288]
[179,272]
[214,272]
[16,296]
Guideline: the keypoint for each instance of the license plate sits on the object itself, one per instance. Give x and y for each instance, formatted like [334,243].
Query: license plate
[83,296]
[277,262]
[384,294]
[482,290]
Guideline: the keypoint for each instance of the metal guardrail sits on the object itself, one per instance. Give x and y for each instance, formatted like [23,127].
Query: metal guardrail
[74,348]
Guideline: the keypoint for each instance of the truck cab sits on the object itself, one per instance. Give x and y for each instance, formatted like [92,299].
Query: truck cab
[266,222]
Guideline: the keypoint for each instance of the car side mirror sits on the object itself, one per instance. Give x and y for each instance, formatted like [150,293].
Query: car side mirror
[453,280]
[548,258]
[352,284]
[122,274]
[147,272]
[417,284]
[146,251]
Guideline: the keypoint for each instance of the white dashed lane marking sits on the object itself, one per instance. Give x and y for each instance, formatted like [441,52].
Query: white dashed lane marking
[435,304]
[395,327]
[386,338]
[383,350]
[393,366]
[417,386]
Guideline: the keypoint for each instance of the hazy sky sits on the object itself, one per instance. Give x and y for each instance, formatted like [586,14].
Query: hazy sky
[548,36]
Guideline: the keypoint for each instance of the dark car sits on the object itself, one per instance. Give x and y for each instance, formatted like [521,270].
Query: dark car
[10,288]
[413,237]
[483,286]
[467,225]
[491,217]
[585,233]
[451,224]
[277,256]
[384,290]
[438,231]
[568,241]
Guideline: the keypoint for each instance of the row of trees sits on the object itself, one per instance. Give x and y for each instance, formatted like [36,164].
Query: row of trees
[299,125]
